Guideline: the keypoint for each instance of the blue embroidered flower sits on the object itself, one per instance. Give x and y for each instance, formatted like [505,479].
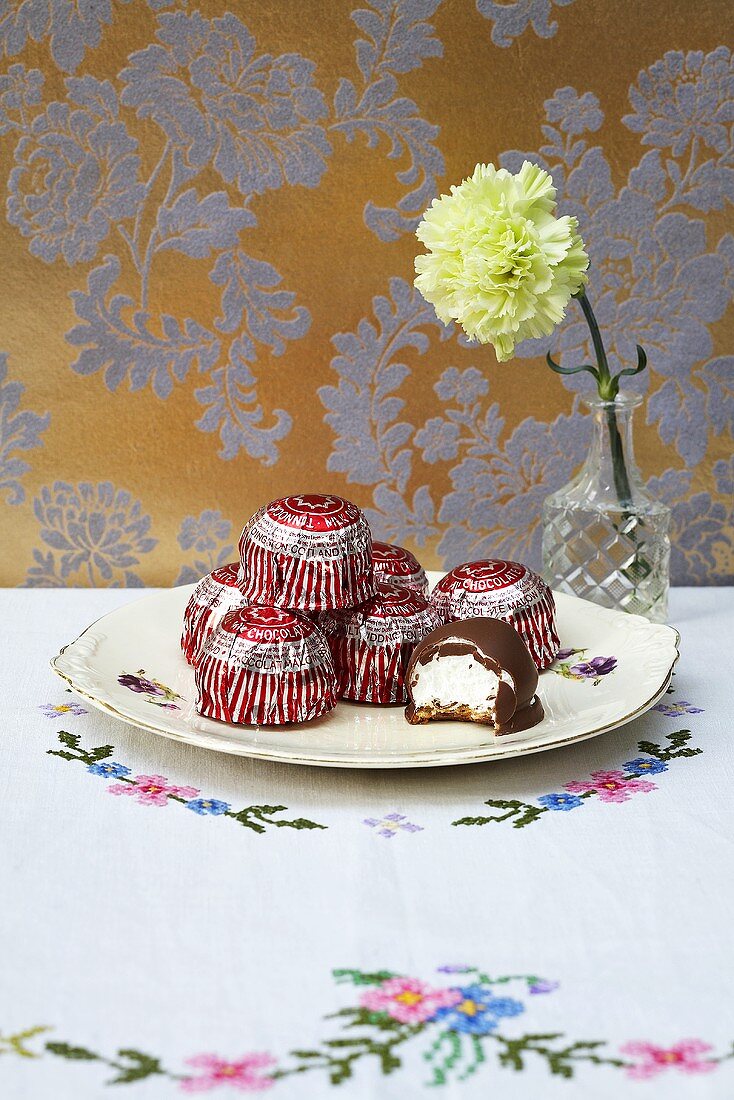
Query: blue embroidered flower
[479,1011]
[645,764]
[560,801]
[109,770]
[207,806]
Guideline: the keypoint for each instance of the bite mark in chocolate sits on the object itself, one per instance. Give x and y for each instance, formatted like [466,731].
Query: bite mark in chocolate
[476,670]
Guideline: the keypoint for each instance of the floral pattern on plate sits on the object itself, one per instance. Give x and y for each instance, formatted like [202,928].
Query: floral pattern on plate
[154,691]
[592,669]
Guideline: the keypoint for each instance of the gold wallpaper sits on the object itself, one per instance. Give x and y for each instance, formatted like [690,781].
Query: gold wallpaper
[207,265]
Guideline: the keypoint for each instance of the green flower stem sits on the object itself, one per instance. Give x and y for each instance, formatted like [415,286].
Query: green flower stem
[608,386]
[608,389]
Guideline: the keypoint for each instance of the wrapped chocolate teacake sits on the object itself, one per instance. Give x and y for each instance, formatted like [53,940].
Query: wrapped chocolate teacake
[310,552]
[474,670]
[502,590]
[214,595]
[397,565]
[371,645]
[265,666]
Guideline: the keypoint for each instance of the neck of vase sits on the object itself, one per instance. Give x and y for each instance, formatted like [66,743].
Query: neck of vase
[611,453]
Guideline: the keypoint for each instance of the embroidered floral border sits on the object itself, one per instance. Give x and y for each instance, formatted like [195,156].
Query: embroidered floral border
[460,1026]
[155,790]
[617,785]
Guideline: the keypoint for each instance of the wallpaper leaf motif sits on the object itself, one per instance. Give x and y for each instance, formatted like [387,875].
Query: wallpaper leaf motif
[698,528]
[511,20]
[71,27]
[95,534]
[654,278]
[249,298]
[498,489]
[495,505]
[398,36]
[20,88]
[207,536]
[128,349]
[694,122]
[398,40]
[252,117]
[363,410]
[20,430]
[197,227]
[234,412]
[255,117]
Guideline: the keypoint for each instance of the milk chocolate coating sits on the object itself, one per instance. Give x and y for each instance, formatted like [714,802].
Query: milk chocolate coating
[496,645]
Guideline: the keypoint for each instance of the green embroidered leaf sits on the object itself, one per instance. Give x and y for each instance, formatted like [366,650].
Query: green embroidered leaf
[676,743]
[143,1066]
[258,817]
[523,812]
[16,1043]
[100,753]
[244,818]
[299,823]
[513,1049]
[362,1017]
[345,1042]
[73,742]
[80,1054]
[360,977]
[389,1062]
[560,1062]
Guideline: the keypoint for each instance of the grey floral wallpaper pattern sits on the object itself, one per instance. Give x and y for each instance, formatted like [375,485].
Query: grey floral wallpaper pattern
[208,242]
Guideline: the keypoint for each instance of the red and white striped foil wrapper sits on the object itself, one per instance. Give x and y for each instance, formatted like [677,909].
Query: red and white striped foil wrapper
[396,565]
[214,595]
[372,645]
[502,590]
[265,666]
[309,552]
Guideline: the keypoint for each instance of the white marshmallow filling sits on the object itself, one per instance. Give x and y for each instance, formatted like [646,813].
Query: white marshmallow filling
[448,682]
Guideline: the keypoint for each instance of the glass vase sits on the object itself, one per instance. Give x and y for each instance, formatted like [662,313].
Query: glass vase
[604,537]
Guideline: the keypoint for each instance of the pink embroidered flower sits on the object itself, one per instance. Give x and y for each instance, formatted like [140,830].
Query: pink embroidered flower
[242,1074]
[408,1000]
[611,786]
[152,790]
[684,1056]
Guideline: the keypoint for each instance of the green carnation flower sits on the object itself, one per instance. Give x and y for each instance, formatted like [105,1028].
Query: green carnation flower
[499,261]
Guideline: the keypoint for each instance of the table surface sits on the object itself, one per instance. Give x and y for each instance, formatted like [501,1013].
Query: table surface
[359,933]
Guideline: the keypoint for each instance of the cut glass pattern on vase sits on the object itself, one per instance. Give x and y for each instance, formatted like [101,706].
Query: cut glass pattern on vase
[605,538]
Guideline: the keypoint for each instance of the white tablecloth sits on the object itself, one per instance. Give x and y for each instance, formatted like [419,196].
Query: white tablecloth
[189,952]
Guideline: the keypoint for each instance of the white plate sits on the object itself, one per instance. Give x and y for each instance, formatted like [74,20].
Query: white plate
[142,639]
